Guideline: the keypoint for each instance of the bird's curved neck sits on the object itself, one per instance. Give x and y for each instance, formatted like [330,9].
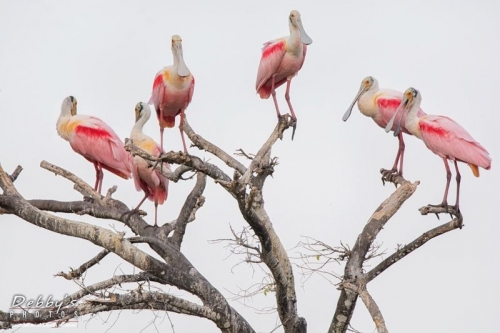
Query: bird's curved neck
[62,124]
[412,119]
[139,125]
[367,104]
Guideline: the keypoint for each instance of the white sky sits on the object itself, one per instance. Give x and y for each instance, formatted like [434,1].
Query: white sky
[327,183]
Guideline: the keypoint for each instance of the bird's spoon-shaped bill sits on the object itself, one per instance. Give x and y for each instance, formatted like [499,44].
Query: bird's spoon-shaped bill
[347,114]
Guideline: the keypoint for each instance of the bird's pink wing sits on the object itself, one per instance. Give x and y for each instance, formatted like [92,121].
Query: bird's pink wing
[447,138]
[97,142]
[161,192]
[387,104]
[272,55]
[158,94]
[161,182]
[139,184]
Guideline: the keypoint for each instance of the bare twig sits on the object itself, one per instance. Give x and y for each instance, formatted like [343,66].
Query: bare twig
[241,152]
[16,173]
[203,144]
[76,273]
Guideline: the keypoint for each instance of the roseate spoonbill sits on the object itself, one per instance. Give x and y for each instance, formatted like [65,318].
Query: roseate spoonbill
[444,137]
[380,105]
[151,181]
[173,89]
[281,59]
[95,140]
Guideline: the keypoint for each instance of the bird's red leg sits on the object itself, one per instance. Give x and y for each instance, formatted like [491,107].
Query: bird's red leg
[161,138]
[386,174]
[181,126]
[448,179]
[98,177]
[287,97]
[401,153]
[273,92]
[141,202]
[458,186]
[101,176]
[156,213]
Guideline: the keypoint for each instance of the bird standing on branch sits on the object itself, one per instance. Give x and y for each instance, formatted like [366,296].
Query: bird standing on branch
[444,137]
[281,59]
[381,105]
[95,140]
[147,179]
[173,89]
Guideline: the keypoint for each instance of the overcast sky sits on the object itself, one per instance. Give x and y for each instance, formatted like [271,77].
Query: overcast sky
[327,183]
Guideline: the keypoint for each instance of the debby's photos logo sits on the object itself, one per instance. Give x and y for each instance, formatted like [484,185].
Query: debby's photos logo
[43,310]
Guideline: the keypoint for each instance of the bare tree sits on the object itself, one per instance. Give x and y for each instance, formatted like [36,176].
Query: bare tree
[259,244]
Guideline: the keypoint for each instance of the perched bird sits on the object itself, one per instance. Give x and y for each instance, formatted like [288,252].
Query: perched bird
[281,59]
[147,179]
[173,89]
[381,105]
[95,140]
[444,137]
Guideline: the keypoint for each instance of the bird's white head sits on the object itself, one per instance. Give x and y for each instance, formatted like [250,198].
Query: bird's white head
[296,23]
[142,111]
[68,106]
[411,96]
[179,64]
[369,83]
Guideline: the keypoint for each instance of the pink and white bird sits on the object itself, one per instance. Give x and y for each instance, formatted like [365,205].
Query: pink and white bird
[381,105]
[444,137]
[281,59]
[147,179]
[95,140]
[173,89]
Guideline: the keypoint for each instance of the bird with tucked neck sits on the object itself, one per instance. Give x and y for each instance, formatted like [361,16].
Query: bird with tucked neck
[95,140]
[149,180]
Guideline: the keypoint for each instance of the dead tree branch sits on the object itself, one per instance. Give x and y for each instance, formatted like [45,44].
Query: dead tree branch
[251,206]
[354,265]
[81,186]
[370,304]
[259,158]
[409,248]
[188,208]
[227,319]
